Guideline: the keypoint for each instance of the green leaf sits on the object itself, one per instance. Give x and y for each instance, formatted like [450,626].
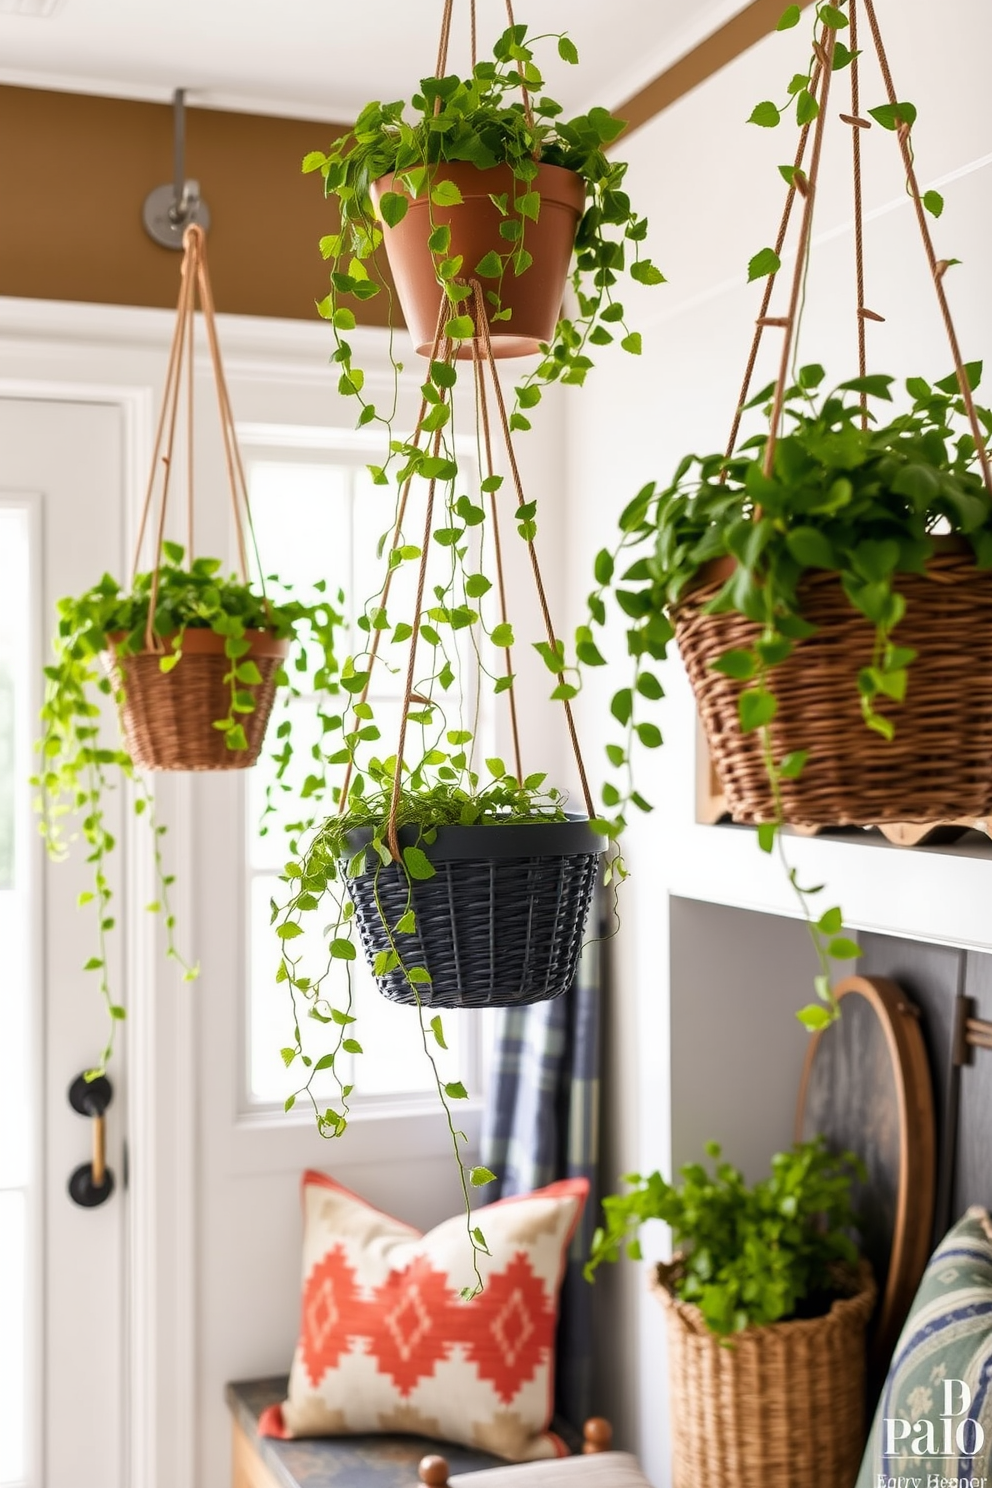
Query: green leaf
[288,1055]
[741,665]
[973,372]
[352,1046]
[438,1031]
[793,764]
[314,160]
[603,566]
[567,51]
[418,864]
[289,930]
[440,239]
[502,635]
[789,18]
[833,18]
[445,194]
[934,202]
[479,1177]
[342,950]
[767,832]
[645,272]
[766,114]
[393,207]
[632,343]
[756,707]
[891,115]
[830,922]
[842,949]
[810,548]
[455,1090]
[460,328]
[807,107]
[815,1018]
[491,266]
[764,262]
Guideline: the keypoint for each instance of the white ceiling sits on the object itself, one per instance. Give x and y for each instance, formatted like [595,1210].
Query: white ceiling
[326,58]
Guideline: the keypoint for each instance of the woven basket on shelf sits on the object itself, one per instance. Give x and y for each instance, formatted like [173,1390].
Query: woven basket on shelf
[167,718]
[783,1407]
[939,765]
[501,922]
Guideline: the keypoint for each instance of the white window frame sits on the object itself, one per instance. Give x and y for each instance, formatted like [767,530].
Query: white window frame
[354,448]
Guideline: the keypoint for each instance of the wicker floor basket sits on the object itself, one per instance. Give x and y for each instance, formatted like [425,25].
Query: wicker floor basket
[167,717]
[501,922]
[783,1408]
[938,767]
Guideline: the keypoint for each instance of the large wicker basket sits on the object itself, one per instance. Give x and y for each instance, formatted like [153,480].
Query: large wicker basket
[167,718]
[783,1407]
[939,765]
[501,922]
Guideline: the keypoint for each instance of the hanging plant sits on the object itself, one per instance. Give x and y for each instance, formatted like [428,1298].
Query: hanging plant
[482,178]
[827,582]
[191,659]
[464,881]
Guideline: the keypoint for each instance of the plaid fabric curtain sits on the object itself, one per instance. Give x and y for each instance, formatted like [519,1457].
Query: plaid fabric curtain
[541,1124]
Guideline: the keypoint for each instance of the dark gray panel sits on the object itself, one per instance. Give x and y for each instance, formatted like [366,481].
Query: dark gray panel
[973,1180]
[933,977]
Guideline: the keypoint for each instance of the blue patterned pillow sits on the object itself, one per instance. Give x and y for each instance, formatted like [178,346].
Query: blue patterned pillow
[933,1426]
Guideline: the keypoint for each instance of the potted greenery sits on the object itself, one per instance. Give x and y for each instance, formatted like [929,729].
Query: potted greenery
[766,1308]
[193,661]
[481,177]
[833,616]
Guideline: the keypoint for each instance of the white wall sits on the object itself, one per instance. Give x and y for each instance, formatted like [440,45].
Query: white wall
[709,185]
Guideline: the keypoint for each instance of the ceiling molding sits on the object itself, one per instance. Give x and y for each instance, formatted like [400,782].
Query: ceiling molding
[719,48]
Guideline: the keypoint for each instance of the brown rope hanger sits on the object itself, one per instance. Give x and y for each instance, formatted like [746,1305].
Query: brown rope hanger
[807,186]
[194,283]
[483,358]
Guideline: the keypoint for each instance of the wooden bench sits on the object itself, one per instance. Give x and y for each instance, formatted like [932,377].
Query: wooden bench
[346,1461]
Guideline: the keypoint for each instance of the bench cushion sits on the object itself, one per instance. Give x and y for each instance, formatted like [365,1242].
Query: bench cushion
[388,1344]
[602,1470]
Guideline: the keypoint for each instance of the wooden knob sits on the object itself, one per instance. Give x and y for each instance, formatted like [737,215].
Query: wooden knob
[598,1435]
[434,1472]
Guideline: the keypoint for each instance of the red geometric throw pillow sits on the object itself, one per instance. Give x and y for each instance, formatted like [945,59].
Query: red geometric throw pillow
[388,1345]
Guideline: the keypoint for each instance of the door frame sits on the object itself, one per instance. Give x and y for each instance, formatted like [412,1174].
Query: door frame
[159,1138]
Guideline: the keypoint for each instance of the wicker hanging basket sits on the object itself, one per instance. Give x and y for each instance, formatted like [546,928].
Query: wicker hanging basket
[167,718]
[499,925]
[782,1407]
[938,766]
[534,298]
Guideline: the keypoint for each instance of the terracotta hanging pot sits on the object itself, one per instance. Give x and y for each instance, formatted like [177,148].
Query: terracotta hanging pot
[167,718]
[534,297]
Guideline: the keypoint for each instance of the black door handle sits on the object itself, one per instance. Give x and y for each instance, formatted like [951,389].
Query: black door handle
[92,1183]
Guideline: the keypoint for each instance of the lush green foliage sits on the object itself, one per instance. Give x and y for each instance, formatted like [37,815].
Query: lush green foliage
[751,1256]
[482,120]
[866,504]
[78,766]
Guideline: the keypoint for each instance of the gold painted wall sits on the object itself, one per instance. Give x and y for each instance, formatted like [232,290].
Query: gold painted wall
[75,170]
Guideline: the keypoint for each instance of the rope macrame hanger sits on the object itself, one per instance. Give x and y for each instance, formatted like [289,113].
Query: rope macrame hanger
[195,278]
[444,350]
[823,50]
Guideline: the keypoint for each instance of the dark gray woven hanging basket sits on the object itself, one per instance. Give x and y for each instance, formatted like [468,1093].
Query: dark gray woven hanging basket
[501,922]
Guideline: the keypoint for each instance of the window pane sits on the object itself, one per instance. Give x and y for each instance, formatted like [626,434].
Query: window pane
[323,521]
